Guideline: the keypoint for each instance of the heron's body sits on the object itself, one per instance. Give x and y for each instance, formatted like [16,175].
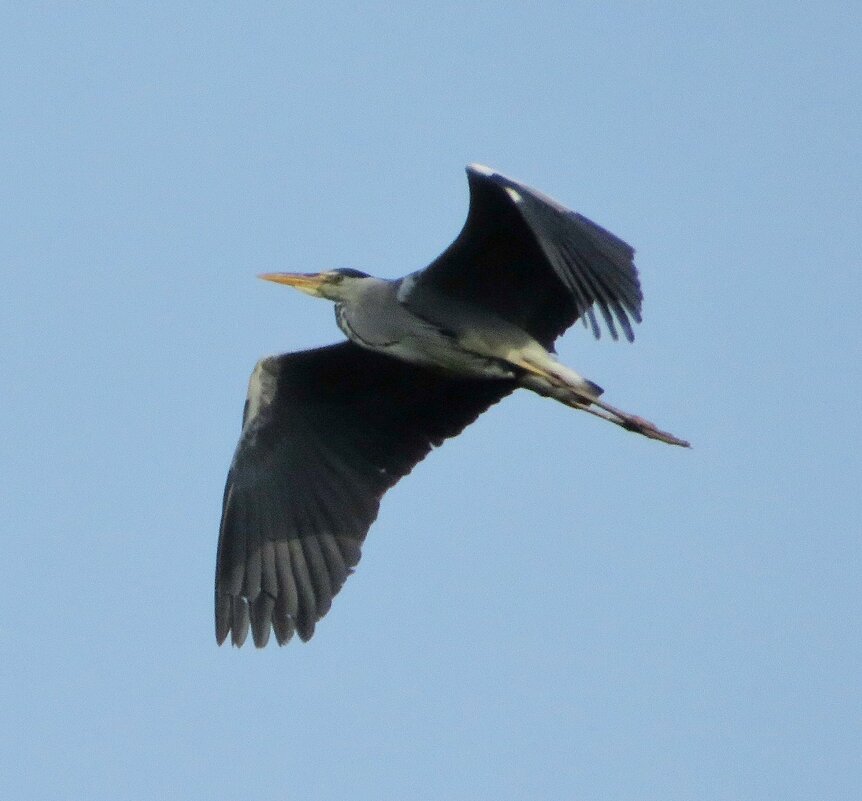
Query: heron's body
[326,432]
[416,324]
[381,318]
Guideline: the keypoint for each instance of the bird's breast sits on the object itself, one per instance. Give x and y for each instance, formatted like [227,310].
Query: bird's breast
[369,333]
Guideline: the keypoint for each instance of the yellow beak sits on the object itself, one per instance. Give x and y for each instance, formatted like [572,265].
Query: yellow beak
[305,282]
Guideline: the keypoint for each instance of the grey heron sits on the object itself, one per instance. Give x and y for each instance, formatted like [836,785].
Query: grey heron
[326,432]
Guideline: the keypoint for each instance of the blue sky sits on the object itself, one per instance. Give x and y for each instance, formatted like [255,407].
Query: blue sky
[548,607]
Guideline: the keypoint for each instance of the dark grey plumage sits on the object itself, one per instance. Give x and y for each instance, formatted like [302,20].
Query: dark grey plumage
[537,264]
[295,517]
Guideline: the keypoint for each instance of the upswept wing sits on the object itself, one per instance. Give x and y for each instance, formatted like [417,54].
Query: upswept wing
[535,263]
[325,433]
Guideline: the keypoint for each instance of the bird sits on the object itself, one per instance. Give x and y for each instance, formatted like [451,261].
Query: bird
[327,431]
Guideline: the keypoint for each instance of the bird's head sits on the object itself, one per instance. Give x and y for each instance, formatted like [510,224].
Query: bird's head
[338,285]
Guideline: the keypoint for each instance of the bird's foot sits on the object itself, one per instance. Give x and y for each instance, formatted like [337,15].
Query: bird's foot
[630,422]
[641,426]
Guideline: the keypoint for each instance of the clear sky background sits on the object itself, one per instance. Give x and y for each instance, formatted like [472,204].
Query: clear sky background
[548,607]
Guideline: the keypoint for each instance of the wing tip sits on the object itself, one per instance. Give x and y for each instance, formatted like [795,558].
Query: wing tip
[234,614]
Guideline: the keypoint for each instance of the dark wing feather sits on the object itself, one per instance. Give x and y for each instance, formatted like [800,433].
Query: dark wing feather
[325,433]
[535,263]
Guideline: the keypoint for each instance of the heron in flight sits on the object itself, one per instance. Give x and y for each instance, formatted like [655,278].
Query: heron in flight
[327,431]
